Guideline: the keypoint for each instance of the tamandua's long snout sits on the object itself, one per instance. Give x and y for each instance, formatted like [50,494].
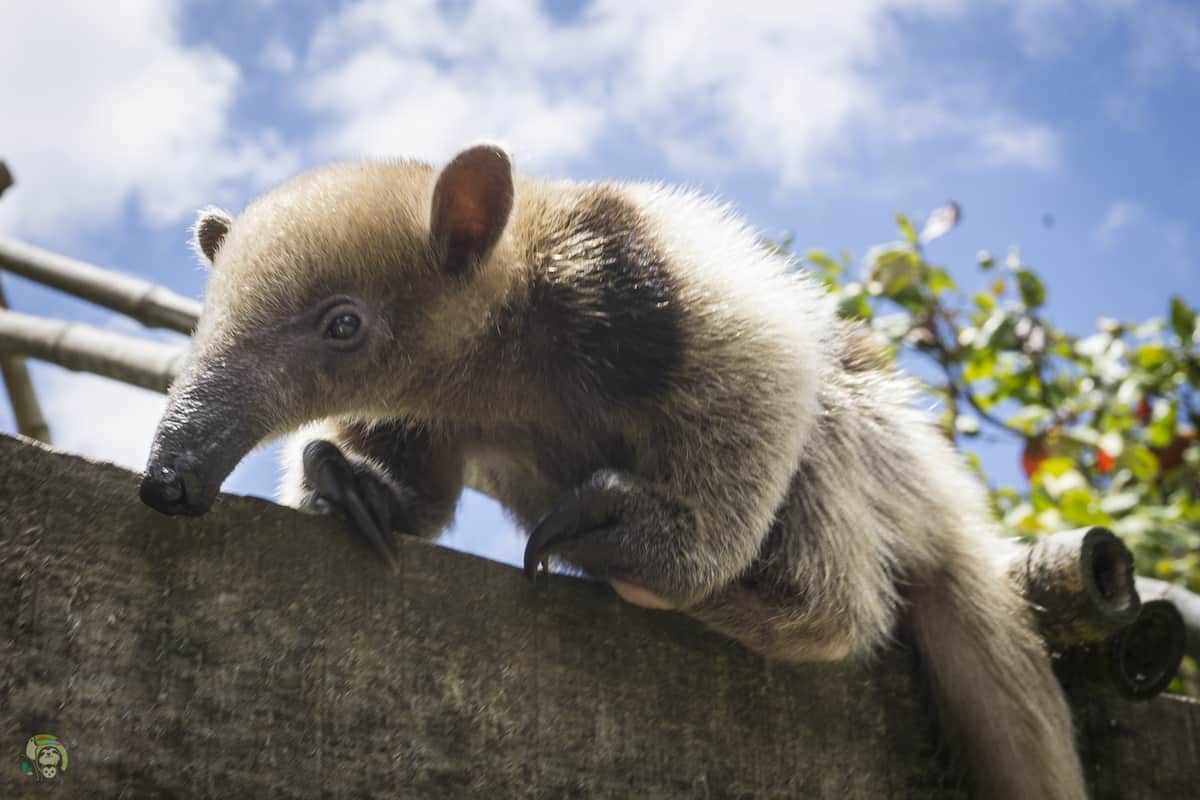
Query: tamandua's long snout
[209,425]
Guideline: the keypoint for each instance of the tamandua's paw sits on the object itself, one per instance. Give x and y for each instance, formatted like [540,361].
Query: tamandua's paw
[364,498]
[589,528]
[565,523]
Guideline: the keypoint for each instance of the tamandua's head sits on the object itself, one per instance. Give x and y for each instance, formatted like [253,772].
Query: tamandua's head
[326,297]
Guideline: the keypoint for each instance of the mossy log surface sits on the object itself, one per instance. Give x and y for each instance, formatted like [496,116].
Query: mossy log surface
[257,652]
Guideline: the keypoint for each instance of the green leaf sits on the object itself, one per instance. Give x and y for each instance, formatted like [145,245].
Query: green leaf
[980,366]
[823,265]
[996,332]
[1140,461]
[853,304]
[985,259]
[1028,418]
[1033,292]
[1057,467]
[906,229]
[1151,356]
[1161,431]
[1183,320]
[893,270]
[939,281]
[1192,370]
[1079,507]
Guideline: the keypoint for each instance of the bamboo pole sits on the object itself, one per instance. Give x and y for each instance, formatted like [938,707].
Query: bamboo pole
[26,410]
[1186,602]
[149,304]
[76,346]
[1138,661]
[1079,584]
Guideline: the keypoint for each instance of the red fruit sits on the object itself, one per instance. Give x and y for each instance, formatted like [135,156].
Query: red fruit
[1143,411]
[1105,462]
[1033,455]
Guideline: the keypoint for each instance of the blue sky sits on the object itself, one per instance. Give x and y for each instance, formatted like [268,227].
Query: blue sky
[823,119]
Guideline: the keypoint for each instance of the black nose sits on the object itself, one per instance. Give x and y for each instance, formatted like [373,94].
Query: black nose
[165,490]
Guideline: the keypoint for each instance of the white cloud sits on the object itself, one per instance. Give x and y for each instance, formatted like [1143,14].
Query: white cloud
[104,106]
[403,105]
[276,56]
[1165,43]
[97,417]
[1051,28]
[795,89]
[1159,239]
[1117,218]
[1021,144]
[1155,40]
[414,79]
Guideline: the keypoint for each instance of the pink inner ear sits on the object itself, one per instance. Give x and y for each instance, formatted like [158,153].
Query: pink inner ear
[467,216]
[472,200]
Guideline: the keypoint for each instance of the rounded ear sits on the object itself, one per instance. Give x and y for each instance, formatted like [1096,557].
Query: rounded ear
[209,231]
[471,203]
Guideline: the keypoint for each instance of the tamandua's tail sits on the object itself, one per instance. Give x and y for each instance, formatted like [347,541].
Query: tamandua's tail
[1000,706]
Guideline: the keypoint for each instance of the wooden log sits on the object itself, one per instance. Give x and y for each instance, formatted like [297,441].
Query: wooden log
[73,345]
[1080,584]
[258,652]
[151,305]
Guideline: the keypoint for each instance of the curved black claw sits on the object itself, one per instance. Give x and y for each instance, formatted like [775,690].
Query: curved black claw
[334,480]
[557,526]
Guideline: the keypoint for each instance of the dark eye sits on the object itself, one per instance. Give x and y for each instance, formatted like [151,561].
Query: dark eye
[343,326]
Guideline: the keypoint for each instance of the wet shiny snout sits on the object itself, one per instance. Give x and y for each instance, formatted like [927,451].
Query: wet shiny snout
[172,488]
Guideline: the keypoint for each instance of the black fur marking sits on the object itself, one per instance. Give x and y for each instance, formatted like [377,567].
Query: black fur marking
[604,311]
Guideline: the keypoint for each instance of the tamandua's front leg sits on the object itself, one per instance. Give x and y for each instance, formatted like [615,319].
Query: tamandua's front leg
[384,478]
[650,546]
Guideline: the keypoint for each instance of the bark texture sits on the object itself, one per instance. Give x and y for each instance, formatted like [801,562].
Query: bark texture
[256,652]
